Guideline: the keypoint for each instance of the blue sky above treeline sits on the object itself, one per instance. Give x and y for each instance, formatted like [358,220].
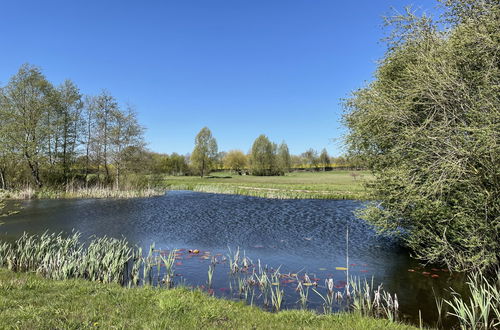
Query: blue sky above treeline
[242,68]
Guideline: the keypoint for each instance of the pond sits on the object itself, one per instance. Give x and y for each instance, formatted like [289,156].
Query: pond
[298,236]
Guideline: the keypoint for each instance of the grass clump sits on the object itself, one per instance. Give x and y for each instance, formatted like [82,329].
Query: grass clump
[92,192]
[29,301]
[482,310]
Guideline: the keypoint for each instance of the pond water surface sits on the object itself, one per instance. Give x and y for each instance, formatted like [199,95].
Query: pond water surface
[299,236]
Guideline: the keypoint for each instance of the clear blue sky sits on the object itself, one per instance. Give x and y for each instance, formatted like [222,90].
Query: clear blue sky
[240,67]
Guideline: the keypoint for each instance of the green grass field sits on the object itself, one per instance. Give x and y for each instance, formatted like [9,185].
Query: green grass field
[28,301]
[325,185]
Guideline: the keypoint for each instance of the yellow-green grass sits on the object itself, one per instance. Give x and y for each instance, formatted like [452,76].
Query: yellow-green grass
[326,185]
[28,301]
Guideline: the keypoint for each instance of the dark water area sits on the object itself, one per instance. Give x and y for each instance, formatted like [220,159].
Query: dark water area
[299,236]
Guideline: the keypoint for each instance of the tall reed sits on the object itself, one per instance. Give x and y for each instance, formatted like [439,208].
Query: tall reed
[482,311]
[168,262]
[54,256]
[277,293]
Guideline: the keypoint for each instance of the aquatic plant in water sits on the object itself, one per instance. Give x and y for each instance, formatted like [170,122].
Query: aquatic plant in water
[113,261]
[482,311]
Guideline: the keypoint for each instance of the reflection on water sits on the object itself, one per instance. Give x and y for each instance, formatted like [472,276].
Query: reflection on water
[298,235]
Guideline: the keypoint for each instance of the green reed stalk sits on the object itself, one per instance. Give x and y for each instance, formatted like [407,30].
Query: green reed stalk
[482,311]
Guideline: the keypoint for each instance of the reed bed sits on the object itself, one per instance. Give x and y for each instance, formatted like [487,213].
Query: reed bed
[482,310]
[103,259]
[110,260]
[70,193]
[265,192]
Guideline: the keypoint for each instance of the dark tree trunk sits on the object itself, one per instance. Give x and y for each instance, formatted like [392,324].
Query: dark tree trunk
[3,182]
[35,173]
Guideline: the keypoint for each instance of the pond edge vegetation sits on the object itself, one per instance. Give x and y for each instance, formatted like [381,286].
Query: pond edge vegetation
[109,260]
[112,261]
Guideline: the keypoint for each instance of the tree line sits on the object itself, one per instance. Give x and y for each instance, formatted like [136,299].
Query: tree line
[265,158]
[55,136]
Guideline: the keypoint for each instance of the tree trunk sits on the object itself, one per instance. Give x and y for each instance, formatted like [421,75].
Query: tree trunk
[117,179]
[35,173]
[2,179]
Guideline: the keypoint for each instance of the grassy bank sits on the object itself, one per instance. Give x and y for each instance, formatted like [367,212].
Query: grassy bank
[28,301]
[323,185]
[320,185]
[50,193]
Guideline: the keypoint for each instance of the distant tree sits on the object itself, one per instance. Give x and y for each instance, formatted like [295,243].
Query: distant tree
[88,135]
[177,164]
[297,161]
[283,158]
[311,158]
[204,152]
[219,160]
[324,159]
[236,161]
[263,157]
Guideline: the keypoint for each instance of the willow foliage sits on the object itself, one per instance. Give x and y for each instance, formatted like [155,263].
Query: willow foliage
[429,126]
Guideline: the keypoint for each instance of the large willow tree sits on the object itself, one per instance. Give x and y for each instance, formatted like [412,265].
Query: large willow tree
[429,126]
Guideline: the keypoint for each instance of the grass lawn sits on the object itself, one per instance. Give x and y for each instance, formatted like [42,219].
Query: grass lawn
[328,185]
[28,301]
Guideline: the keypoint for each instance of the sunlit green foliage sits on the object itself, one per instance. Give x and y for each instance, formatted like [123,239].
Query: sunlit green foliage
[236,161]
[428,126]
[52,136]
[204,152]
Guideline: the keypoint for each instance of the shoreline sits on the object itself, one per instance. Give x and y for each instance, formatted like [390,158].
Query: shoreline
[31,301]
[266,192]
[91,193]
[223,189]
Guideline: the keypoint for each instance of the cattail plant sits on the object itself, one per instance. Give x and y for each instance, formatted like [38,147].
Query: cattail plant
[276,292]
[168,262]
[210,273]
[482,311]
[304,295]
[329,297]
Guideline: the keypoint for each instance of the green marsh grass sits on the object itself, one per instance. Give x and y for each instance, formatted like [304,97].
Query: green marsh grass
[169,262]
[482,310]
[296,185]
[210,274]
[277,293]
[303,294]
[72,193]
[367,301]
